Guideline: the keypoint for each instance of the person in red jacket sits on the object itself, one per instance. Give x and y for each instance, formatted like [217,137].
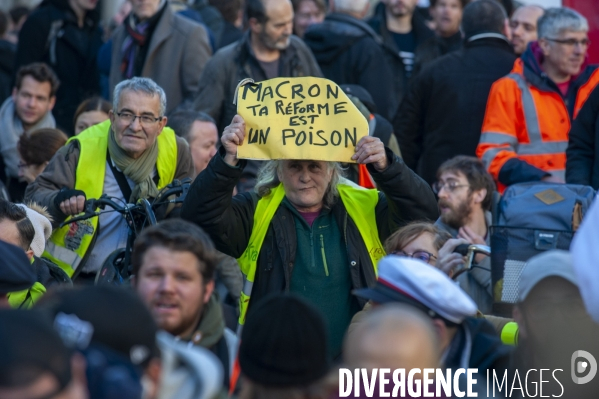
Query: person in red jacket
[525,130]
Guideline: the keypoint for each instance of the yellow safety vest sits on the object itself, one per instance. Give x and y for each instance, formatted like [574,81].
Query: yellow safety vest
[67,246]
[27,298]
[360,204]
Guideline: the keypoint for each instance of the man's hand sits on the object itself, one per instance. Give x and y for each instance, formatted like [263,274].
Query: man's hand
[233,136]
[70,201]
[371,150]
[447,260]
[469,235]
[73,205]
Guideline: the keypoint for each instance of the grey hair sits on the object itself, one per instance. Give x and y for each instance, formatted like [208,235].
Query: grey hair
[139,85]
[268,179]
[558,19]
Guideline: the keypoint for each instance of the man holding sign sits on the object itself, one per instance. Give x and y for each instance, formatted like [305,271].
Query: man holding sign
[306,229]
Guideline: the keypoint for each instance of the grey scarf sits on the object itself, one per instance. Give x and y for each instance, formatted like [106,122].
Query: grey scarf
[11,130]
[139,170]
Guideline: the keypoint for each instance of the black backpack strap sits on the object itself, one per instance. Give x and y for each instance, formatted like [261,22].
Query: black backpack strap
[120,179]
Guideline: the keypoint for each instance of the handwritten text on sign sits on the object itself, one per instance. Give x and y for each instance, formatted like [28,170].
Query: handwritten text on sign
[299,118]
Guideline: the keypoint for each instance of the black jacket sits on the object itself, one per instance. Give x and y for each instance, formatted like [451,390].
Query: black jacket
[348,51]
[229,220]
[434,48]
[70,51]
[7,66]
[582,155]
[422,33]
[442,115]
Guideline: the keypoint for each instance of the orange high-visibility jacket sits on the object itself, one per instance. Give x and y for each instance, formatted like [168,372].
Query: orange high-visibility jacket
[527,119]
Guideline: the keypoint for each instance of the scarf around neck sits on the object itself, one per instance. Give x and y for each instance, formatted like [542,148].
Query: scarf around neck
[137,36]
[139,170]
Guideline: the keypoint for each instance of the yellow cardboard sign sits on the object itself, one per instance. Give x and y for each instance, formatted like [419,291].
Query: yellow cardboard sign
[298,118]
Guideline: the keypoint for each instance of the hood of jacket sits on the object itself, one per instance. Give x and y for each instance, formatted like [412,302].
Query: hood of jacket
[477,345]
[335,34]
[187,373]
[211,327]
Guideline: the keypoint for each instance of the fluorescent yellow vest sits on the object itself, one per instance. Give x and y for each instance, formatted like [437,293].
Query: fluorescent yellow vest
[67,246]
[360,204]
[27,298]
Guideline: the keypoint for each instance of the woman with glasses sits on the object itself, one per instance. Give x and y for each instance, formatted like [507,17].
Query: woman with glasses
[418,240]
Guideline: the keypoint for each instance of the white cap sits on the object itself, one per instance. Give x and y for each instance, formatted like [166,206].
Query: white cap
[42,227]
[554,263]
[408,280]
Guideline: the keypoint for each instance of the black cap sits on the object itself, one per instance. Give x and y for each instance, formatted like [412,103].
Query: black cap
[29,347]
[119,318]
[16,273]
[361,94]
[284,342]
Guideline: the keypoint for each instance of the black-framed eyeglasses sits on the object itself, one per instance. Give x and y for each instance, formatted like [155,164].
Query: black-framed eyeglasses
[449,186]
[420,255]
[571,42]
[145,120]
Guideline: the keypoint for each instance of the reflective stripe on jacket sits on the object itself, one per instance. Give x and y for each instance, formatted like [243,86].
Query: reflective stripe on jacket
[360,204]
[68,245]
[529,123]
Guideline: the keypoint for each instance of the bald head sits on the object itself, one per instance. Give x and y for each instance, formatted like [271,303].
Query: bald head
[357,8]
[523,25]
[393,336]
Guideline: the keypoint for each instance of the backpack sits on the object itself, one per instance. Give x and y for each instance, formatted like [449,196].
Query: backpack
[531,218]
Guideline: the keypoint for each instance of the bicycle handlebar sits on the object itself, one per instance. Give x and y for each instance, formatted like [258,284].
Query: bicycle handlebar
[469,251]
[176,187]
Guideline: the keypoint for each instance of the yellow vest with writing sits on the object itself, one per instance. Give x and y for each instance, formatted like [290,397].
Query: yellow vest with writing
[67,246]
[360,204]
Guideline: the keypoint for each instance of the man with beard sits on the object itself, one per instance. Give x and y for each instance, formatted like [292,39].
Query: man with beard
[523,25]
[267,50]
[173,266]
[553,329]
[465,191]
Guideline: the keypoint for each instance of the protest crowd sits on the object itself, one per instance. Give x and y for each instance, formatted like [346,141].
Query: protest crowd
[247,198]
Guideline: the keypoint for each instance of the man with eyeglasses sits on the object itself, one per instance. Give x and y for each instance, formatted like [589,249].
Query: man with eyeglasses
[465,190]
[525,130]
[129,157]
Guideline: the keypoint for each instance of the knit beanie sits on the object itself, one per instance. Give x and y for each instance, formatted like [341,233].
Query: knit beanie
[284,342]
[43,229]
